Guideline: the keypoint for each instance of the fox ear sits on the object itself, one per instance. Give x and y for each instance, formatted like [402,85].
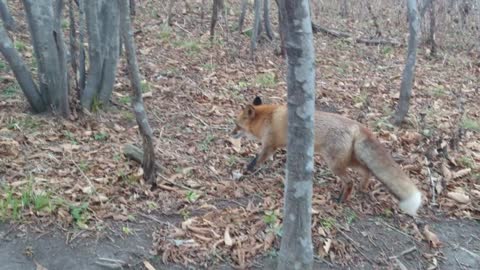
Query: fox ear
[250,111]
[257,101]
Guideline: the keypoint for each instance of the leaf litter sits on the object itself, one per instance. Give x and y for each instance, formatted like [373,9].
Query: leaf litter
[195,90]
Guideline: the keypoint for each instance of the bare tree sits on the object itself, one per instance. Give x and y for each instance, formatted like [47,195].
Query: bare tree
[344,11]
[102,18]
[148,163]
[6,16]
[409,70]
[296,250]
[243,11]
[22,74]
[266,19]
[44,16]
[257,5]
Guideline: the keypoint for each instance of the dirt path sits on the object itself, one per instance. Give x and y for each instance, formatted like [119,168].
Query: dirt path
[376,241]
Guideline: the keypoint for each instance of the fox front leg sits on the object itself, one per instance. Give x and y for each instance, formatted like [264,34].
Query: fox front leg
[265,153]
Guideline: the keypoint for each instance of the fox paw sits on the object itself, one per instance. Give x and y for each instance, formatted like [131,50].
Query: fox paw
[251,165]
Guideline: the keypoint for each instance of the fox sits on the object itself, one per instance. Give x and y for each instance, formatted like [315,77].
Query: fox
[341,142]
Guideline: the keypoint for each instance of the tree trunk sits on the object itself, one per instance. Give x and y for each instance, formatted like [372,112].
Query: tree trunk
[133,9]
[170,10]
[256,27]
[266,19]
[243,11]
[148,164]
[7,18]
[409,70]
[81,47]
[378,32]
[213,23]
[44,20]
[281,29]
[431,39]
[103,23]
[73,43]
[296,250]
[22,74]
[344,11]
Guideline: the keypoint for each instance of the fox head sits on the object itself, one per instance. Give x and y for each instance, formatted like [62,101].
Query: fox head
[243,120]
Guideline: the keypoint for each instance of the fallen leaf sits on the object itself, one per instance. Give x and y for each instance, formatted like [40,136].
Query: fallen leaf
[462,173]
[236,144]
[148,265]
[327,245]
[458,197]
[431,237]
[228,240]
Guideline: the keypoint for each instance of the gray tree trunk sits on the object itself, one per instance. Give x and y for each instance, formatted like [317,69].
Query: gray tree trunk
[296,250]
[7,18]
[266,19]
[409,70]
[344,11]
[243,11]
[22,74]
[81,54]
[102,17]
[431,38]
[256,27]
[73,43]
[148,163]
[44,20]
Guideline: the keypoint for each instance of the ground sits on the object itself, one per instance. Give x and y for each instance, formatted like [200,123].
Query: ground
[70,199]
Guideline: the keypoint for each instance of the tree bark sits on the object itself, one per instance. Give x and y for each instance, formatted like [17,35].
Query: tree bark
[431,39]
[256,27]
[213,22]
[22,74]
[133,8]
[296,250]
[73,43]
[103,23]
[409,70]
[243,11]
[378,32]
[282,27]
[7,18]
[44,20]
[81,47]
[266,19]
[148,164]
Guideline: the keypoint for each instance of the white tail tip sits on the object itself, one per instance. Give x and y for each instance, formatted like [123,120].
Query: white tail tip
[411,204]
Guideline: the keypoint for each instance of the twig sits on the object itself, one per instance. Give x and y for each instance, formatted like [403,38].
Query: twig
[111,260]
[399,231]
[409,250]
[155,219]
[179,185]
[83,174]
[473,254]
[356,246]
[432,183]
[322,260]
[196,117]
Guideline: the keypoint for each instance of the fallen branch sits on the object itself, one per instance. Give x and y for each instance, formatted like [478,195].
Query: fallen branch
[317,28]
[409,250]
[136,154]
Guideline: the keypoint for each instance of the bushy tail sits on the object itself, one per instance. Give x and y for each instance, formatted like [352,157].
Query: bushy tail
[371,153]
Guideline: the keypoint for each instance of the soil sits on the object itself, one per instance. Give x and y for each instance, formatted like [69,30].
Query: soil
[377,241]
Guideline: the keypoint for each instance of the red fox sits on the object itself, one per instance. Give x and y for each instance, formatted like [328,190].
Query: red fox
[341,142]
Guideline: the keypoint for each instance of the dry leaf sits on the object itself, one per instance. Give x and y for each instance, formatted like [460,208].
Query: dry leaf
[431,237]
[148,265]
[458,197]
[228,240]
[236,175]
[327,245]
[268,242]
[39,266]
[447,174]
[475,193]
[236,144]
[461,173]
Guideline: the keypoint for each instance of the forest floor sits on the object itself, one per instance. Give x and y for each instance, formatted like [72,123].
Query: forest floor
[70,199]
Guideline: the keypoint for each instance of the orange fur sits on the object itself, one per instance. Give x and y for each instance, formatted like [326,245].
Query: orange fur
[342,143]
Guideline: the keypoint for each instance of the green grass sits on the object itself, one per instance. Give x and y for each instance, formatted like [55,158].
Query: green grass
[4,66]
[266,80]
[328,223]
[125,100]
[100,136]
[26,123]
[20,46]
[205,144]
[11,90]
[191,47]
[471,124]
[192,196]
[467,162]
